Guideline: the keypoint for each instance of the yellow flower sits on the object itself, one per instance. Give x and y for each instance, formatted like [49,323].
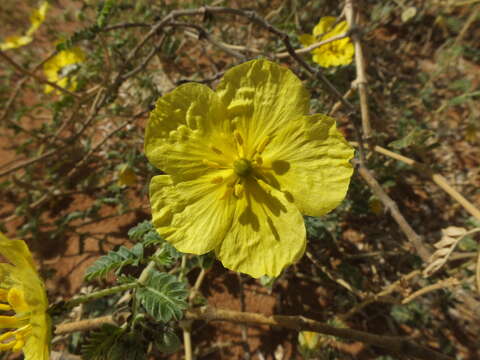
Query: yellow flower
[60,68]
[243,164]
[36,19]
[22,292]
[336,53]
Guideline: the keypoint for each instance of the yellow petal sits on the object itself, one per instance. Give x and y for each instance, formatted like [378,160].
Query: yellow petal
[324,26]
[261,97]
[37,17]
[267,233]
[187,129]
[191,215]
[336,53]
[13,42]
[37,345]
[16,252]
[310,161]
[54,67]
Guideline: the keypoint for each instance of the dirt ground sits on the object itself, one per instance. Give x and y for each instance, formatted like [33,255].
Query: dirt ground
[63,261]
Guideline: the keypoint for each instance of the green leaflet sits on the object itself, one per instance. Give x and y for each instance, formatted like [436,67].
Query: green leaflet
[115,260]
[113,343]
[163,296]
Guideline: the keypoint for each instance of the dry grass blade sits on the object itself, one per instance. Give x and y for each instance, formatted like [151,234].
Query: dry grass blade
[451,236]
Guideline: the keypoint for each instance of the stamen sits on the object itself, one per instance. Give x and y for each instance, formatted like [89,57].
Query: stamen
[212,164]
[238,190]
[7,335]
[5,307]
[238,137]
[19,344]
[239,143]
[217,180]
[258,160]
[266,140]
[9,322]
[264,186]
[216,150]
[7,346]
[16,300]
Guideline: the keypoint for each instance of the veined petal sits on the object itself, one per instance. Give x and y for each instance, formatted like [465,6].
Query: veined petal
[37,345]
[309,160]
[191,215]
[37,17]
[187,127]
[261,97]
[267,233]
[325,25]
[16,252]
[336,53]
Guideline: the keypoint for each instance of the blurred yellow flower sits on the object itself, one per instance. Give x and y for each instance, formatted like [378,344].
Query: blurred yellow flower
[22,292]
[243,164]
[336,53]
[60,69]
[36,19]
[126,176]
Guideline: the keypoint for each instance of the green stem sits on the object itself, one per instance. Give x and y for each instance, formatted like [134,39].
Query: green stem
[99,294]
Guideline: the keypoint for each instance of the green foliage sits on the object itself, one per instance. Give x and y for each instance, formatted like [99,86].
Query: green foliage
[163,296]
[113,343]
[115,260]
[100,342]
[168,342]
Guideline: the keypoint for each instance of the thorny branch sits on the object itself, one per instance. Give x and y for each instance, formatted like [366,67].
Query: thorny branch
[394,344]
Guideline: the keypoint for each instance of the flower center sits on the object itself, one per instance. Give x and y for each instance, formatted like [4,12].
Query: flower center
[13,300]
[242,167]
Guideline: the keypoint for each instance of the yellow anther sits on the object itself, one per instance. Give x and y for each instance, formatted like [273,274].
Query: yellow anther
[217,180]
[16,300]
[263,144]
[238,137]
[212,164]
[5,307]
[267,188]
[216,150]
[18,344]
[238,190]
[258,160]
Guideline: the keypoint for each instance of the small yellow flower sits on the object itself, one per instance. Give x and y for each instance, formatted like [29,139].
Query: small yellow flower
[36,19]
[22,292]
[336,53]
[60,69]
[243,164]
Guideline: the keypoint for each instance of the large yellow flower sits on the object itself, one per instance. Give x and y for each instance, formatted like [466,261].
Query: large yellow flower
[243,164]
[61,69]
[23,303]
[336,53]
[36,19]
